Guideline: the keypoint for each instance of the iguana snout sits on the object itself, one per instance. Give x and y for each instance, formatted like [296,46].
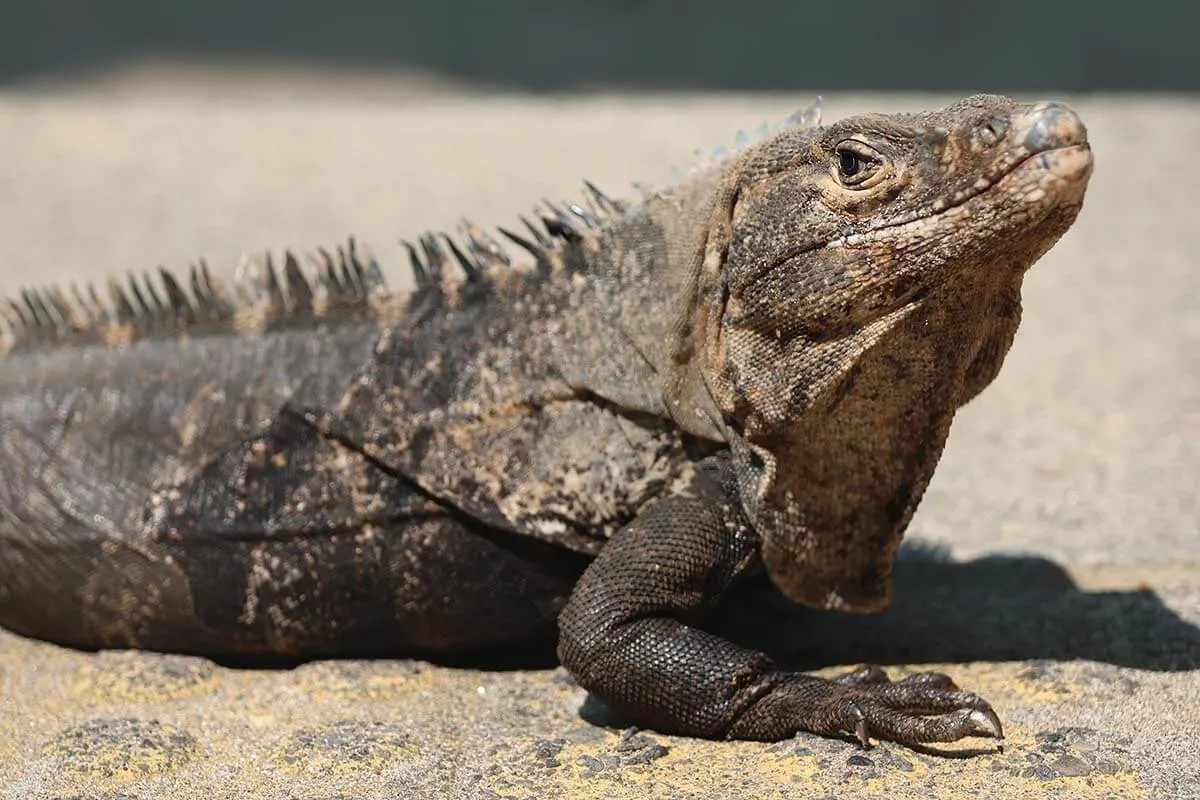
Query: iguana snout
[1050,126]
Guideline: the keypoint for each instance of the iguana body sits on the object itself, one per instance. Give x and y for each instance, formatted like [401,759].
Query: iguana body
[751,373]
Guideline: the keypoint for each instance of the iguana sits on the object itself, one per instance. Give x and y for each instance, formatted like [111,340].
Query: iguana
[749,375]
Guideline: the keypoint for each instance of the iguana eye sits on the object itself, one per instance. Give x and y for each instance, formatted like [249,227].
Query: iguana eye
[993,130]
[849,163]
[857,164]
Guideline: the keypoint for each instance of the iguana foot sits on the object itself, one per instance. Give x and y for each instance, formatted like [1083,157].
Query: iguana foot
[920,708]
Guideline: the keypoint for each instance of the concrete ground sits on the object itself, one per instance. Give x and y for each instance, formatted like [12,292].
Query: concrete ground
[1054,566]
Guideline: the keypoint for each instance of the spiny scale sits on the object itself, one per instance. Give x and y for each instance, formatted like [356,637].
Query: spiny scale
[48,316]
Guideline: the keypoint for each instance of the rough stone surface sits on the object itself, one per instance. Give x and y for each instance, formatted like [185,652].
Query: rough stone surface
[1053,566]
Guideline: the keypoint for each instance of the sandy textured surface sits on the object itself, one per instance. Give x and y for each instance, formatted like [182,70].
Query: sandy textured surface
[1056,566]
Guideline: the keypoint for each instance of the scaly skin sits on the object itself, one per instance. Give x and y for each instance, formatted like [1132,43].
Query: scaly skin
[748,376]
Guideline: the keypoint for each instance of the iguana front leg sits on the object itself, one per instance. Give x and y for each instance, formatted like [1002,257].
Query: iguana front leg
[629,635]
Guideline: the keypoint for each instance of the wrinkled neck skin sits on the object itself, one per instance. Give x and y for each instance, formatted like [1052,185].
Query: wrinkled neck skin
[833,489]
[832,472]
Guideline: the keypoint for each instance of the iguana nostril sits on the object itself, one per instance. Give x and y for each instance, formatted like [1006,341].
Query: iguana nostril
[1054,125]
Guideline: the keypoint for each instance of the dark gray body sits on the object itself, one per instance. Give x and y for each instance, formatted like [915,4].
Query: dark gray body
[175,493]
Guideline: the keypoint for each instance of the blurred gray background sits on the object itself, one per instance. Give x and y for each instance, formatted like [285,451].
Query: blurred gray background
[565,45]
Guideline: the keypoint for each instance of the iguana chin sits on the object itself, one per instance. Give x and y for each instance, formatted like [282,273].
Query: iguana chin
[751,373]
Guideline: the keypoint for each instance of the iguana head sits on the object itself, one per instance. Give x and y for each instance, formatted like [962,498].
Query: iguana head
[856,284]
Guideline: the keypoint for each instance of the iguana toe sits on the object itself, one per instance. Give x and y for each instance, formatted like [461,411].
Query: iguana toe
[925,707]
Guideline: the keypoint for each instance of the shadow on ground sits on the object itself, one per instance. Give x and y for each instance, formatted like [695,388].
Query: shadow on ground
[540,45]
[998,608]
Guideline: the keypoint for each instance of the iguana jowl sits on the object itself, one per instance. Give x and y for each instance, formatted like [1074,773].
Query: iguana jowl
[749,374]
